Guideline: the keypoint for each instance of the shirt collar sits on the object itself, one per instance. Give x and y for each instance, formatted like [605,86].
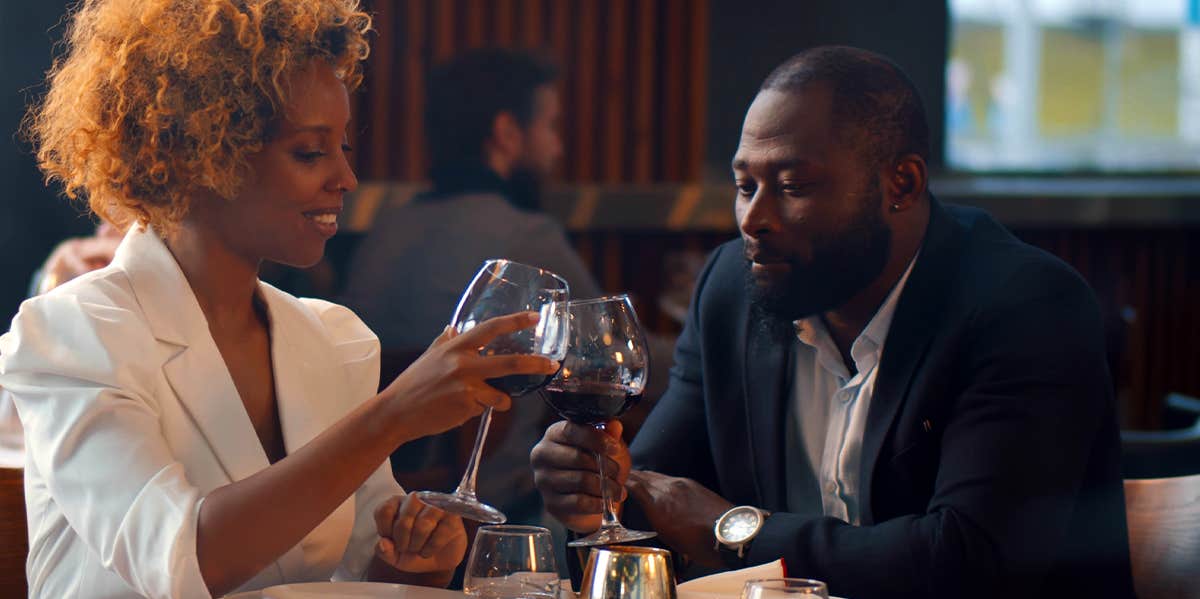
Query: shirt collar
[868,346]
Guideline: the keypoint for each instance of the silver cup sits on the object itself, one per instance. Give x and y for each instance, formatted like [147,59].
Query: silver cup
[621,572]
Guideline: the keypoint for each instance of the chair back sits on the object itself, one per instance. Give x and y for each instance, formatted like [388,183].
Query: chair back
[1172,452]
[1164,535]
[14,538]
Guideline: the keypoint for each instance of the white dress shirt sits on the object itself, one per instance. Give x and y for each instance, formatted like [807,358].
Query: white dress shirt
[131,418]
[830,406]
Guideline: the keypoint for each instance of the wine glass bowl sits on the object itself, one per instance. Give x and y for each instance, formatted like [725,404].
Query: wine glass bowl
[603,374]
[503,287]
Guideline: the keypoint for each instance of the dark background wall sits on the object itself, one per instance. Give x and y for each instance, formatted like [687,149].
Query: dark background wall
[32,218]
[749,38]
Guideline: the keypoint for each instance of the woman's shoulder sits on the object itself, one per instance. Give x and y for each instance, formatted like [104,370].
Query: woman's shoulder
[351,338]
[91,326]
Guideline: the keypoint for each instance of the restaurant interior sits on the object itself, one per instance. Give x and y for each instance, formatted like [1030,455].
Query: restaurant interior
[1075,123]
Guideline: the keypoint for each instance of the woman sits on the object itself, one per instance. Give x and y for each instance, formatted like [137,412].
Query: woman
[191,430]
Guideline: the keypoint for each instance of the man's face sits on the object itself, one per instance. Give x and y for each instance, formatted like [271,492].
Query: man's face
[808,205]
[542,145]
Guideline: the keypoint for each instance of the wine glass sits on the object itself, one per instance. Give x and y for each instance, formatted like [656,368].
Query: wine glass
[512,562]
[503,287]
[784,588]
[602,376]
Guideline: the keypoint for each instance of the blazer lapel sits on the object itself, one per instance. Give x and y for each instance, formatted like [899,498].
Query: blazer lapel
[766,368]
[309,381]
[196,372]
[919,308]
[310,385]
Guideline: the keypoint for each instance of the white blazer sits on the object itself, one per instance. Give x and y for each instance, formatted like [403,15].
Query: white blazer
[131,418]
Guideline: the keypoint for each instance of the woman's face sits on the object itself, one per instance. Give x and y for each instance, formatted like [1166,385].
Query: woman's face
[289,205]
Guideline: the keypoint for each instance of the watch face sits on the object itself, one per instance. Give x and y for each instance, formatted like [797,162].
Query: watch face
[740,525]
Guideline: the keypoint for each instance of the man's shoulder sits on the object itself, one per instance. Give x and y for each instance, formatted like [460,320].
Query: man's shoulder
[994,267]
[721,284]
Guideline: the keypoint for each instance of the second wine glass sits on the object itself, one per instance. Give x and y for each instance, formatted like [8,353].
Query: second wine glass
[500,288]
[602,376]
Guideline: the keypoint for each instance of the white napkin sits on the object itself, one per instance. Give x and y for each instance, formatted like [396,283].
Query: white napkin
[730,583]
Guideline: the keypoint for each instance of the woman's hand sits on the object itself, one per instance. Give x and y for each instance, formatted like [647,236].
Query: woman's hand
[447,385]
[418,538]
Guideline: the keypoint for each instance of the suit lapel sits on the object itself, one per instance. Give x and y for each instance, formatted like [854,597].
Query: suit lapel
[766,369]
[913,327]
[196,372]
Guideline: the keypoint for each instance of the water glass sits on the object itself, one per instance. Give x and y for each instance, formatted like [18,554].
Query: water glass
[512,562]
[785,588]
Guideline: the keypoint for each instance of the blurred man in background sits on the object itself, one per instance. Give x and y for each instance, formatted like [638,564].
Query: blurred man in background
[491,122]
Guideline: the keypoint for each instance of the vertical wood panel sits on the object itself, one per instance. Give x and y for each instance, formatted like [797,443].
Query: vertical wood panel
[412,158]
[616,132]
[642,144]
[584,72]
[693,164]
[476,20]
[502,22]
[444,35]
[379,70]
[531,24]
[559,34]
[672,114]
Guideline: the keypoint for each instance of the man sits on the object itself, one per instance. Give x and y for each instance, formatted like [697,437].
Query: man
[919,401]
[491,121]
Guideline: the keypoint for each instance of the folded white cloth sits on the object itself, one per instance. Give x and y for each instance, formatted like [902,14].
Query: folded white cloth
[731,583]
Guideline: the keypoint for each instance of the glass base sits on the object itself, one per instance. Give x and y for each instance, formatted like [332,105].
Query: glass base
[612,536]
[463,505]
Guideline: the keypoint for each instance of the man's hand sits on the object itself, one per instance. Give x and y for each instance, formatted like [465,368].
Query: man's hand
[566,473]
[681,511]
[417,538]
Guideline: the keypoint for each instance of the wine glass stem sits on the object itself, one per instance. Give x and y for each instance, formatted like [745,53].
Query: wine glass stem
[609,519]
[466,488]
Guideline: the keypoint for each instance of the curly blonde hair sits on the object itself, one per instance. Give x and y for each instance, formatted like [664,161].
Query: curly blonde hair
[156,99]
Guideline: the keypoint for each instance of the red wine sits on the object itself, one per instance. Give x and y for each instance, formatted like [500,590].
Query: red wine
[589,404]
[519,384]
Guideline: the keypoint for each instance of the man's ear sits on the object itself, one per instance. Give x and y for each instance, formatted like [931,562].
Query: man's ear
[905,183]
[507,135]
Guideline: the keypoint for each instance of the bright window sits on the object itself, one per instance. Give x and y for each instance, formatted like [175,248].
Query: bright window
[1074,85]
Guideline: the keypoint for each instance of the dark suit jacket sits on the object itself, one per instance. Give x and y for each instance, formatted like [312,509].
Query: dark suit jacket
[990,455]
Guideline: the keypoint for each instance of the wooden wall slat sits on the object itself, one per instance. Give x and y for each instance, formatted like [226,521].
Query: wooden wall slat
[531,24]
[475,15]
[503,18]
[615,133]
[693,164]
[673,72]
[379,67]
[412,158]
[445,35]
[643,142]
[584,105]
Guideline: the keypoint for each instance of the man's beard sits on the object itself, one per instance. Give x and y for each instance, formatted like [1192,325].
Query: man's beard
[525,189]
[842,265]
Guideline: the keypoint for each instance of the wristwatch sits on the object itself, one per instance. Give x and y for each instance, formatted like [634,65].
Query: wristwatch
[736,528]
